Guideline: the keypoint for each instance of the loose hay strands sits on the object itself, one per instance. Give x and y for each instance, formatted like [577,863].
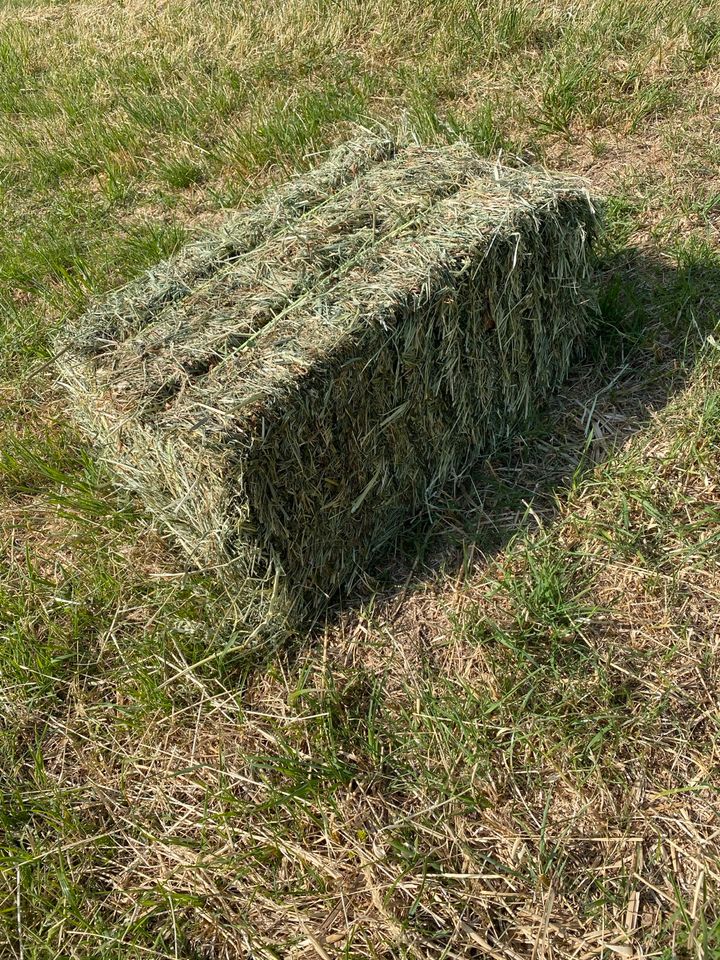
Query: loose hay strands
[286,415]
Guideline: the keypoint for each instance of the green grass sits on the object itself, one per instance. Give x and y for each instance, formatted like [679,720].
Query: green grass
[509,746]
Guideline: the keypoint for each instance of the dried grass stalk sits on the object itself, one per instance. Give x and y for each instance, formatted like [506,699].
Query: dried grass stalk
[285,399]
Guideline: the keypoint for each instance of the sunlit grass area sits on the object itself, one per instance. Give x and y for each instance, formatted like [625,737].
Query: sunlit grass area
[506,746]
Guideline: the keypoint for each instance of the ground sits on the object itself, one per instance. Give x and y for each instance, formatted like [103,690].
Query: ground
[508,747]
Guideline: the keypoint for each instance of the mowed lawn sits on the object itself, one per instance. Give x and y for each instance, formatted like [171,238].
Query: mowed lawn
[508,746]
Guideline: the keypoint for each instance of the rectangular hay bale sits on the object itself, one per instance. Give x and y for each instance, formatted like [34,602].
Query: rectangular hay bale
[286,393]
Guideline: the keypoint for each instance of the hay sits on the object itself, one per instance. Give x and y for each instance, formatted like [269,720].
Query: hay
[284,400]
[127,310]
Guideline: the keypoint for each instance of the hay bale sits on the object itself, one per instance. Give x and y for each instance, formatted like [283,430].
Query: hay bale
[286,394]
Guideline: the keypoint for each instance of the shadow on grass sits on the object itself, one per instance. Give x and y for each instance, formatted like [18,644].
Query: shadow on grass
[655,317]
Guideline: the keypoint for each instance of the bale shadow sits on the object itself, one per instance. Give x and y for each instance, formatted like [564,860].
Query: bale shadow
[655,317]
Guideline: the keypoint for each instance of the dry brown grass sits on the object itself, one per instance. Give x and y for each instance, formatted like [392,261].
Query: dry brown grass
[564,810]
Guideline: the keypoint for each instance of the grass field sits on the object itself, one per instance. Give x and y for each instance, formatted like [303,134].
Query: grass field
[509,747]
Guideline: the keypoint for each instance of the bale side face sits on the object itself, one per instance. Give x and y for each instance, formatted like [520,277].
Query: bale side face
[297,454]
